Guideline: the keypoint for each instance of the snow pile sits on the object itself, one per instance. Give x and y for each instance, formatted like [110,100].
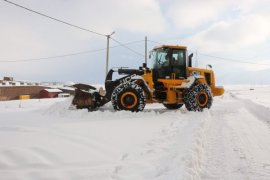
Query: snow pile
[60,108]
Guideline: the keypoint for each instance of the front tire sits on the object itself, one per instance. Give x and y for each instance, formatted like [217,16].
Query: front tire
[128,96]
[198,97]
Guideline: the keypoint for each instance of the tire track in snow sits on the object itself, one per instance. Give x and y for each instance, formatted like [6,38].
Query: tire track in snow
[165,156]
[262,112]
[194,163]
[237,144]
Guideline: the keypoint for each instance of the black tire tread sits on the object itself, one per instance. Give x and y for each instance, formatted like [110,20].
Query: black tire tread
[129,86]
[190,97]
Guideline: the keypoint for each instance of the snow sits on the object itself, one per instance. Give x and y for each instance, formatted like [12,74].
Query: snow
[49,139]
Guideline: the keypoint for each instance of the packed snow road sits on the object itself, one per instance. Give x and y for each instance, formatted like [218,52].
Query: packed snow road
[44,139]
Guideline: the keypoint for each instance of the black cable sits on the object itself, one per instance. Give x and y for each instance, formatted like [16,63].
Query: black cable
[154,42]
[232,60]
[58,20]
[50,58]
[65,55]
[123,45]
[222,58]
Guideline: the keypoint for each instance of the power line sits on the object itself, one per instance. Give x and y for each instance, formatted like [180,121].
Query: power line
[55,19]
[221,58]
[50,58]
[154,42]
[65,55]
[64,22]
[123,45]
[233,60]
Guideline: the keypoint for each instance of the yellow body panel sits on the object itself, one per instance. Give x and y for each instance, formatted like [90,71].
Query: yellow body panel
[149,80]
[216,90]
[171,82]
[172,95]
[148,77]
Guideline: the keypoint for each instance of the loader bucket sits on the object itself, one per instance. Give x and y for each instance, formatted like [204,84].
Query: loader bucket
[83,99]
[84,87]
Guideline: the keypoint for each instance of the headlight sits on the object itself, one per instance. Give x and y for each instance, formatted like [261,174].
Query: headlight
[197,73]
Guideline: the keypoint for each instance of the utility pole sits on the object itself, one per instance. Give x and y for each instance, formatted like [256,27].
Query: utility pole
[146,50]
[107,53]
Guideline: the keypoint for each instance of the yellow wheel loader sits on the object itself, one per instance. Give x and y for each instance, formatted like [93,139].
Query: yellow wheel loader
[170,80]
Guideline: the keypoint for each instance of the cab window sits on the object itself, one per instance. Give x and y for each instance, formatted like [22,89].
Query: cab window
[159,58]
[178,57]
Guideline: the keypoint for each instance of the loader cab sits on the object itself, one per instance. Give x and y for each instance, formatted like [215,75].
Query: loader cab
[169,61]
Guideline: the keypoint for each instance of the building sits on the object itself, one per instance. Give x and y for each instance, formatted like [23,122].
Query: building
[49,93]
[14,92]
[8,79]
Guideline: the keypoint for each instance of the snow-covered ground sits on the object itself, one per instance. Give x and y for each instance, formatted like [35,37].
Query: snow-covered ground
[44,139]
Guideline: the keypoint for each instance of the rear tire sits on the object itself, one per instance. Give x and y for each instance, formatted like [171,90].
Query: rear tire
[198,97]
[173,106]
[128,96]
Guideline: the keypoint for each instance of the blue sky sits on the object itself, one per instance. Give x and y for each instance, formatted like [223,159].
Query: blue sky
[238,31]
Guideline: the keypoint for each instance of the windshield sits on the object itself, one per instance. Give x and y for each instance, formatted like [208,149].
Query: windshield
[168,57]
[166,61]
[159,57]
[178,57]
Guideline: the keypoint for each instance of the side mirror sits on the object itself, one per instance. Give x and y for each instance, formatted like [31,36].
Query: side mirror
[190,60]
[209,65]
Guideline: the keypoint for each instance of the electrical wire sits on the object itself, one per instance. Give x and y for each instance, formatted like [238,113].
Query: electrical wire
[75,26]
[58,20]
[232,60]
[221,58]
[155,42]
[55,19]
[65,55]
[50,58]
[123,45]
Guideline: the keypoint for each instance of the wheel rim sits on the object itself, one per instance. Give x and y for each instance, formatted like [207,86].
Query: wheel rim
[129,100]
[202,99]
